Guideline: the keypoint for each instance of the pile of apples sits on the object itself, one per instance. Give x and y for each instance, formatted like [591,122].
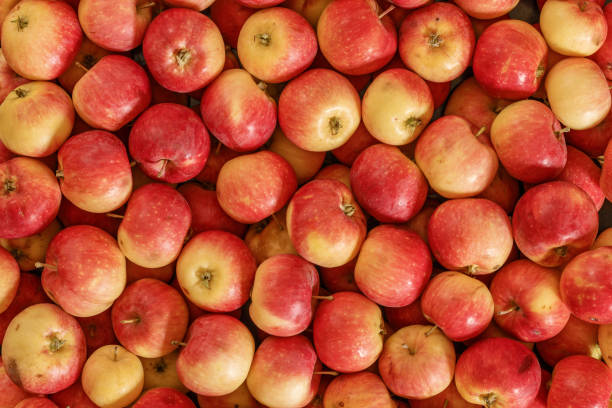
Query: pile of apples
[309,203]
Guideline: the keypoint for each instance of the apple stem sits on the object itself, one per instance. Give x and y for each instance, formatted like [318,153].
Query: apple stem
[114,215]
[560,132]
[178,343]
[387,11]
[334,373]
[600,159]
[83,67]
[348,209]
[59,173]
[133,163]
[45,265]
[471,270]
[507,311]
[262,85]
[334,125]
[218,149]
[163,168]
[115,352]
[146,5]
[430,331]
[561,251]
[323,297]
[481,131]
[129,321]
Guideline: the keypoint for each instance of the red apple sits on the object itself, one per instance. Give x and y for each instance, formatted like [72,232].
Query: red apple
[592,141]
[338,172]
[89,54]
[541,399]
[176,159]
[553,222]
[503,190]
[605,179]
[581,171]
[69,214]
[319,110]
[357,390]
[144,237]
[219,155]
[449,398]
[399,317]
[577,337]
[30,250]
[283,372]
[270,237]
[510,59]
[29,292]
[40,38]
[9,279]
[98,330]
[229,16]
[358,142]
[9,79]
[348,332]
[498,372]
[197,5]
[327,231]
[216,271]
[340,278]
[73,396]
[161,372]
[43,349]
[241,398]
[450,42]
[11,393]
[603,56]
[580,381]
[163,398]
[354,39]
[30,197]
[487,10]
[603,239]
[36,402]
[305,163]
[310,9]
[387,184]
[94,171]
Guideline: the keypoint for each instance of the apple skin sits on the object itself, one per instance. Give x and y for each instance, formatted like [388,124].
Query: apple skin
[112,377]
[290,313]
[399,317]
[29,250]
[11,393]
[527,301]
[456,163]
[329,231]
[89,54]
[604,338]
[148,316]
[36,402]
[581,382]
[218,156]
[510,59]
[605,179]
[487,10]
[603,56]
[352,37]
[197,5]
[73,396]
[348,332]
[309,9]
[183,49]
[578,93]
[387,184]
[9,79]
[5,154]
[358,142]
[397,106]
[581,171]
[5,8]
[69,214]
[498,372]
[270,237]
[35,119]
[592,141]
[215,271]
[393,266]
[41,39]
[43,349]
[449,398]
[587,276]
[305,163]
[356,391]
[417,362]
[254,186]
[30,197]
[504,190]
[143,237]
[340,278]
[125,28]
[98,330]
[241,398]
[553,222]
[577,337]
[603,239]
[163,398]
[229,351]
[176,159]
[237,110]
[112,93]
[95,171]
[9,279]
[229,16]
[161,372]
[276,44]
[475,241]
[282,373]
[338,172]
[29,292]
[529,142]
[319,110]
[450,42]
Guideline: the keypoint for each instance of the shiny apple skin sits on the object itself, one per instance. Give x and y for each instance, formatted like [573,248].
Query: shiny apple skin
[98,330]
[29,292]
[358,142]
[581,171]
[9,279]
[184,50]
[69,214]
[163,398]
[73,396]
[553,222]
[357,390]
[9,79]
[450,396]
[487,10]
[603,56]
[229,16]
[577,337]
[510,59]
[581,382]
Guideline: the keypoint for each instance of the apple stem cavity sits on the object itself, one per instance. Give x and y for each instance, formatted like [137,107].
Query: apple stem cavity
[206,278]
[55,344]
[146,5]
[323,297]
[21,22]
[435,41]
[21,93]
[387,11]
[334,373]
[59,173]
[9,186]
[130,321]
[412,123]
[111,215]
[561,251]
[347,209]
[45,265]
[178,343]
[182,57]
[488,399]
[264,39]
[471,270]
[160,366]
[334,125]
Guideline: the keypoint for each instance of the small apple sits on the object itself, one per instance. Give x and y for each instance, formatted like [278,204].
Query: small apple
[309,9]
[399,317]
[581,171]
[270,237]
[339,279]
[358,142]
[73,396]
[577,337]
[449,398]
[503,190]
[338,172]
[592,141]
[241,398]
[69,214]
[603,239]
[36,402]
[603,56]
[197,5]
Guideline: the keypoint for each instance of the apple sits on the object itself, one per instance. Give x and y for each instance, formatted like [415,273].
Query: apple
[40,38]
[340,278]
[229,351]
[9,279]
[605,179]
[586,33]
[9,79]
[176,159]
[469,164]
[36,402]
[553,222]
[29,292]
[387,184]
[397,106]
[603,239]
[449,47]
[487,10]
[270,237]
[112,93]
[98,330]
[281,297]
[5,8]
[219,155]
[459,305]
[327,231]
[276,44]
[229,16]
[498,372]
[215,271]
[528,304]
[399,317]
[580,381]
[283,372]
[161,372]
[449,398]
[112,377]
[305,163]
[578,93]
[319,110]
[35,119]
[197,5]
[393,266]
[503,190]
[238,111]
[356,37]
[163,398]
[577,337]
[144,237]
[581,171]
[30,197]
[135,272]
[43,349]
[89,54]
[241,398]
[338,172]
[73,396]
[11,393]
[348,332]
[309,9]
[69,214]
[94,171]
[510,59]
[357,390]
[473,235]
[358,142]
[603,56]
[592,141]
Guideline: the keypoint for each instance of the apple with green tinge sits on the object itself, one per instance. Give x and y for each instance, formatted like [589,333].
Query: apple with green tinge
[581,382]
